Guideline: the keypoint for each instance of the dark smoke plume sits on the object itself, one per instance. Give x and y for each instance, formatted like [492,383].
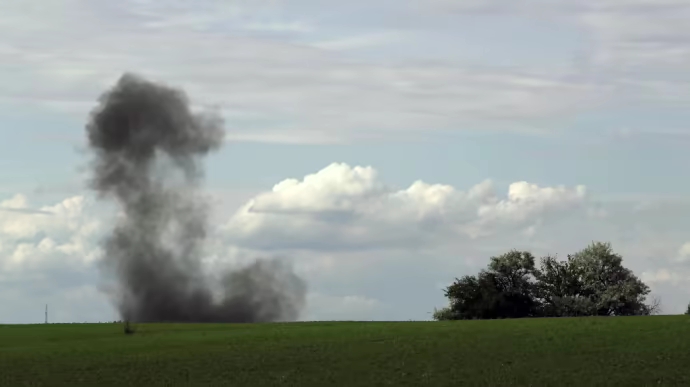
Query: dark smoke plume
[148,144]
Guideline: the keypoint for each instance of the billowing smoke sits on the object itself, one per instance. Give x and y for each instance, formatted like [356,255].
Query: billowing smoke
[148,145]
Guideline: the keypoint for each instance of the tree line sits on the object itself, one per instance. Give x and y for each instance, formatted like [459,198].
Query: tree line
[591,282]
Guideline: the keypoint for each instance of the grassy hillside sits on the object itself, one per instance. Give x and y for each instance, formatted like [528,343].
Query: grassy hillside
[636,351]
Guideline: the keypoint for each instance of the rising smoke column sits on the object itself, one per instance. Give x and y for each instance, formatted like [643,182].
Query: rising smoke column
[147,145]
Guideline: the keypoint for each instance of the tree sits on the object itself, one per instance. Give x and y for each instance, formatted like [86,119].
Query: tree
[505,290]
[560,290]
[688,310]
[612,289]
[655,306]
[514,275]
[591,282]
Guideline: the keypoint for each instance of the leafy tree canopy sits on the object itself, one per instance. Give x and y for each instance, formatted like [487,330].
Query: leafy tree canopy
[591,282]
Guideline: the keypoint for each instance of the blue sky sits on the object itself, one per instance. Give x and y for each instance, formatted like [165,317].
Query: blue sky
[557,94]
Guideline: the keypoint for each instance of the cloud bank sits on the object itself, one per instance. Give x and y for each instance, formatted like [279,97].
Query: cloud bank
[369,250]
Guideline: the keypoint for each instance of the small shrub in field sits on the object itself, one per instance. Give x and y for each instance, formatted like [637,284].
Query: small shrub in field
[444,314]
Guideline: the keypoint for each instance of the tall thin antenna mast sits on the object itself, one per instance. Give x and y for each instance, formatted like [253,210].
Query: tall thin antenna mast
[46,313]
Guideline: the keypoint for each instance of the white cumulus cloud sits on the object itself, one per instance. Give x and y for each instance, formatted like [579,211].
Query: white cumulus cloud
[350,207]
[61,234]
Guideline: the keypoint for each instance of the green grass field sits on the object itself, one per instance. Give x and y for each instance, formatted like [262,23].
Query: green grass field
[626,351]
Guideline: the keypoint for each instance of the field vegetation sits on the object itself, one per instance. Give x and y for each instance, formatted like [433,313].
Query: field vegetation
[584,351]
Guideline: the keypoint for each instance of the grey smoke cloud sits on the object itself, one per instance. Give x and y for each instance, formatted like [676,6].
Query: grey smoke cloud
[148,145]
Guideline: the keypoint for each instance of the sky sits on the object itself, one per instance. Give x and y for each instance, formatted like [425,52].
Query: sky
[382,147]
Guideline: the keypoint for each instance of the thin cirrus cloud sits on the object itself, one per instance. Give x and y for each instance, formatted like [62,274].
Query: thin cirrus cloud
[306,83]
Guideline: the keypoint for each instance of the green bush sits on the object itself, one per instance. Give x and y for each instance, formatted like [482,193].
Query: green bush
[444,314]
